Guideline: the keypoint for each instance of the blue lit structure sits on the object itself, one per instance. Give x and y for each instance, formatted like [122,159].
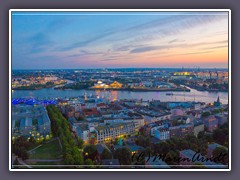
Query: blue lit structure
[33,101]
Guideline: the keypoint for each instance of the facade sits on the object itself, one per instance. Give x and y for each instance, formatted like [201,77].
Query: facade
[186,129]
[154,128]
[139,121]
[150,118]
[110,132]
[30,120]
[181,131]
[83,132]
[175,131]
[162,133]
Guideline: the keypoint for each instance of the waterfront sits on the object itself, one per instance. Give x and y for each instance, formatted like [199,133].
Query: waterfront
[193,95]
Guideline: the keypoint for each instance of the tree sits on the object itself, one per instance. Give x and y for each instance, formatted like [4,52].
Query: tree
[205,114]
[183,144]
[32,140]
[123,155]
[208,138]
[201,135]
[193,142]
[141,141]
[68,159]
[106,154]
[89,163]
[77,156]
[203,146]
[163,148]
[115,141]
[220,135]
[24,154]
[220,155]
[20,147]
[172,157]
[90,152]
[80,143]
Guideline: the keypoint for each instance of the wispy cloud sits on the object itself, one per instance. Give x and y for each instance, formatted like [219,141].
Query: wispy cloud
[216,47]
[148,48]
[120,39]
[86,42]
[175,40]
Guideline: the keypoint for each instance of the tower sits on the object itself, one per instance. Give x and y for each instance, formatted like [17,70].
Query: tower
[217,103]
[85,96]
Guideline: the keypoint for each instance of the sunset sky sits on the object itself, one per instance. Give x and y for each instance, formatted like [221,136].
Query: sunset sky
[46,40]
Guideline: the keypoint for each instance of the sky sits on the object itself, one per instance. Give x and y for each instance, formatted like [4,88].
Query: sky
[72,40]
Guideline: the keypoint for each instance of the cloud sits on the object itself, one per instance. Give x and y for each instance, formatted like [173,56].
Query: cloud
[216,47]
[36,43]
[175,40]
[191,53]
[150,48]
[171,25]
[85,42]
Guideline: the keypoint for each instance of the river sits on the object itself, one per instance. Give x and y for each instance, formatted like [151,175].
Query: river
[193,95]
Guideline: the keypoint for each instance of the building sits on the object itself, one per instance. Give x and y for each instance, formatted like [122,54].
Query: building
[212,147]
[178,112]
[175,131]
[222,118]
[173,105]
[162,133]
[181,131]
[217,103]
[211,123]
[186,129]
[198,126]
[155,127]
[30,120]
[124,117]
[110,132]
[135,149]
[101,85]
[50,78]
[100,148]
[83,132]
[197,129]
[116,84]
[190,158]
[151,115]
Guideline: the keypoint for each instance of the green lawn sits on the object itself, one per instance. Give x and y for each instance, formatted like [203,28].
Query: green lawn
[50,150]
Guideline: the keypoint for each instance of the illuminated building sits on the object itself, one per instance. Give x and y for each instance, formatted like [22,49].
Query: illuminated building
[182,73]
[28,120]
[110,132]
[116,84]
[101,85]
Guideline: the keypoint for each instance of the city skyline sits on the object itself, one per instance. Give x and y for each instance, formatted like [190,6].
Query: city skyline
[81,40]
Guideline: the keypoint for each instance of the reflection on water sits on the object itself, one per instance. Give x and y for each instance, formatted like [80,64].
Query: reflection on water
[194,95]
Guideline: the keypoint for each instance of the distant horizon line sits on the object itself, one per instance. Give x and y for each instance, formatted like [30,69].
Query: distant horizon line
[126,68]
